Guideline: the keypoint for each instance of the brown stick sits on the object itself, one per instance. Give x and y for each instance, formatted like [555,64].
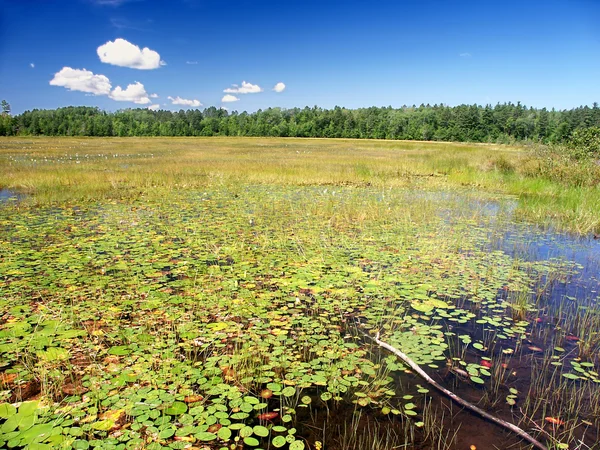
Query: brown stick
[413,365]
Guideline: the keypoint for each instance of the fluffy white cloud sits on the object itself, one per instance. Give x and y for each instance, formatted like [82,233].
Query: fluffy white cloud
[153,95]
[81,80]
[135,93]
[154,107]
[245,88]
[125,54]
[85,81]
[182,101]
[229,98]
[32,65]
[279,87]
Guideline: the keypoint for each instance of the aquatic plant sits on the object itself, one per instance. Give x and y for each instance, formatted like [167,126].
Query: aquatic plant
[213,297]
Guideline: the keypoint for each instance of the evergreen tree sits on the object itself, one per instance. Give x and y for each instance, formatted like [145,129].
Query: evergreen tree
[5,108]
[503,123]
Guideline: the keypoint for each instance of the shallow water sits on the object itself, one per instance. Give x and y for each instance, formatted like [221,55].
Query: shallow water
[138,246]
[527,242]
[584,253]
[9,196]
[572,286]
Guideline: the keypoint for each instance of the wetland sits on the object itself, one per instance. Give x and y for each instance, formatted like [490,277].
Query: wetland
[217,293]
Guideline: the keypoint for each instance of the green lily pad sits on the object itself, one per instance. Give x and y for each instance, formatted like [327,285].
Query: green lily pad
[252,442]
[119,350]
[7,410]
[205,436]
[297,445]
[288,391]
[278,441]
[224,433]
[166,433]
[261,431]
[176,409]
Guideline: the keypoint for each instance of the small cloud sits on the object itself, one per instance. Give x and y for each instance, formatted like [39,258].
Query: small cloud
[465,55]
[229,98]
[224,108]
[153,95]
[32,65]
[81,80]
[245,88]
[279,87]
[111,2]
[154,107]
[184,102]
[135,93]
[125,54]
[125,24]
[191,62]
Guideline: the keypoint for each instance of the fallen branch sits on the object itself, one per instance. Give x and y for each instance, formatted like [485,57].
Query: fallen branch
[414,366]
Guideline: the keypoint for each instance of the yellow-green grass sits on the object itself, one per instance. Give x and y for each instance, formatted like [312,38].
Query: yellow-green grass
[77,169]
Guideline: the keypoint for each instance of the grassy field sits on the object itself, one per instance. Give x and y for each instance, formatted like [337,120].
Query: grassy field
[215,294]
[550,192]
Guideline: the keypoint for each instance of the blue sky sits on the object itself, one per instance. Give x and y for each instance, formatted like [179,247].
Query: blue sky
[326,53]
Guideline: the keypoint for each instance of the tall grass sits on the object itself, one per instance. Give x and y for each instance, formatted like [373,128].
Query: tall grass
[551,190]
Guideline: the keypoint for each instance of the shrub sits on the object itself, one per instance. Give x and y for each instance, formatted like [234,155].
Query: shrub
[585,142]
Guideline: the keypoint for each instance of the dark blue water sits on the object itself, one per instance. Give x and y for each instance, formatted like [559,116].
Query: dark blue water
[580,254]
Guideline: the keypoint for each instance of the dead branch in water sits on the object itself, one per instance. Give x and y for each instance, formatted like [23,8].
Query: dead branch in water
[414,366]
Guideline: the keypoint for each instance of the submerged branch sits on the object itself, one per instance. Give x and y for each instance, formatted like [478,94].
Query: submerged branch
[413,365]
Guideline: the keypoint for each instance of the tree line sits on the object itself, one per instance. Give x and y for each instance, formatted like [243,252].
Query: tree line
[502,123]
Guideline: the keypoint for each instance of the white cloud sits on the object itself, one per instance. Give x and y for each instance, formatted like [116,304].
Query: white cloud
[191,62]
[153,95]
[245,88]
[154,107]
[279,87]
[134,93]
[465,55]
[229,98]
[32,65]
[81,80]
[182,101]
[125,54]
[224,108]
[111,2]
[85,81]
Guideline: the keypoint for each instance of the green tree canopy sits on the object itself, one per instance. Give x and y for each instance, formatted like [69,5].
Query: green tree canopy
[502,123]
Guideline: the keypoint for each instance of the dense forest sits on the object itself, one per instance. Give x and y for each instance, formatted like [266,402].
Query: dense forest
[503,123]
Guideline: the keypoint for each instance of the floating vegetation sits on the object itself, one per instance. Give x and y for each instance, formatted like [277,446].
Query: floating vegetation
[231,315]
